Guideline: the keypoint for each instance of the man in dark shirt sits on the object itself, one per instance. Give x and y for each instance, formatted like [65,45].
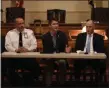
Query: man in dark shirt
[55,41]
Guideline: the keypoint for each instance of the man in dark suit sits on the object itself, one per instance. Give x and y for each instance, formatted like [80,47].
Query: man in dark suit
[90,42]
[55,41]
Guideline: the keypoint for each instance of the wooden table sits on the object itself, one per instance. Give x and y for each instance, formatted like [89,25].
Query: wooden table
[39,55]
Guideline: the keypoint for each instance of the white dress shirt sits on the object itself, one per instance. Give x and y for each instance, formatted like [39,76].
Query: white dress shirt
[12,40]
[91,45]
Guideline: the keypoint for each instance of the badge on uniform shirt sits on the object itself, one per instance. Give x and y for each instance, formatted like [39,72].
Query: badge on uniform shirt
[26,35]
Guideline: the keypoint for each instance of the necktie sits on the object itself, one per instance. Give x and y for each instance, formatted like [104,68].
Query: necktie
[20,40]
[54,40]
[88,44]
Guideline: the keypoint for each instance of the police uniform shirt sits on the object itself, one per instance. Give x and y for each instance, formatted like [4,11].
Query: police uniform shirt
[12,40]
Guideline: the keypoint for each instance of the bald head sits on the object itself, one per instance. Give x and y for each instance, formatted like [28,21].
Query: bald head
[19,24]
[90,26]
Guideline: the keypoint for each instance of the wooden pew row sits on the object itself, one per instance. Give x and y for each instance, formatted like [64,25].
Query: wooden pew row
[42,30]
[74,33]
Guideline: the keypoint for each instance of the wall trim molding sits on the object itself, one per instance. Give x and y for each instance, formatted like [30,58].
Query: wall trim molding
[46,11]
[66,11]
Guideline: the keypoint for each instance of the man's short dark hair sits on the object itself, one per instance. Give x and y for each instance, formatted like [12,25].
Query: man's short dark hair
[53,19]
[88,20]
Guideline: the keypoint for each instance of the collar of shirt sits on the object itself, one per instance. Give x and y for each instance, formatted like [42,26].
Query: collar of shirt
[23,32]
[53,33]
[91,35]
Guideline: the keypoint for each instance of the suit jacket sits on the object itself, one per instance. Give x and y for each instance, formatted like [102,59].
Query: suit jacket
[98,42]
[61,42]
